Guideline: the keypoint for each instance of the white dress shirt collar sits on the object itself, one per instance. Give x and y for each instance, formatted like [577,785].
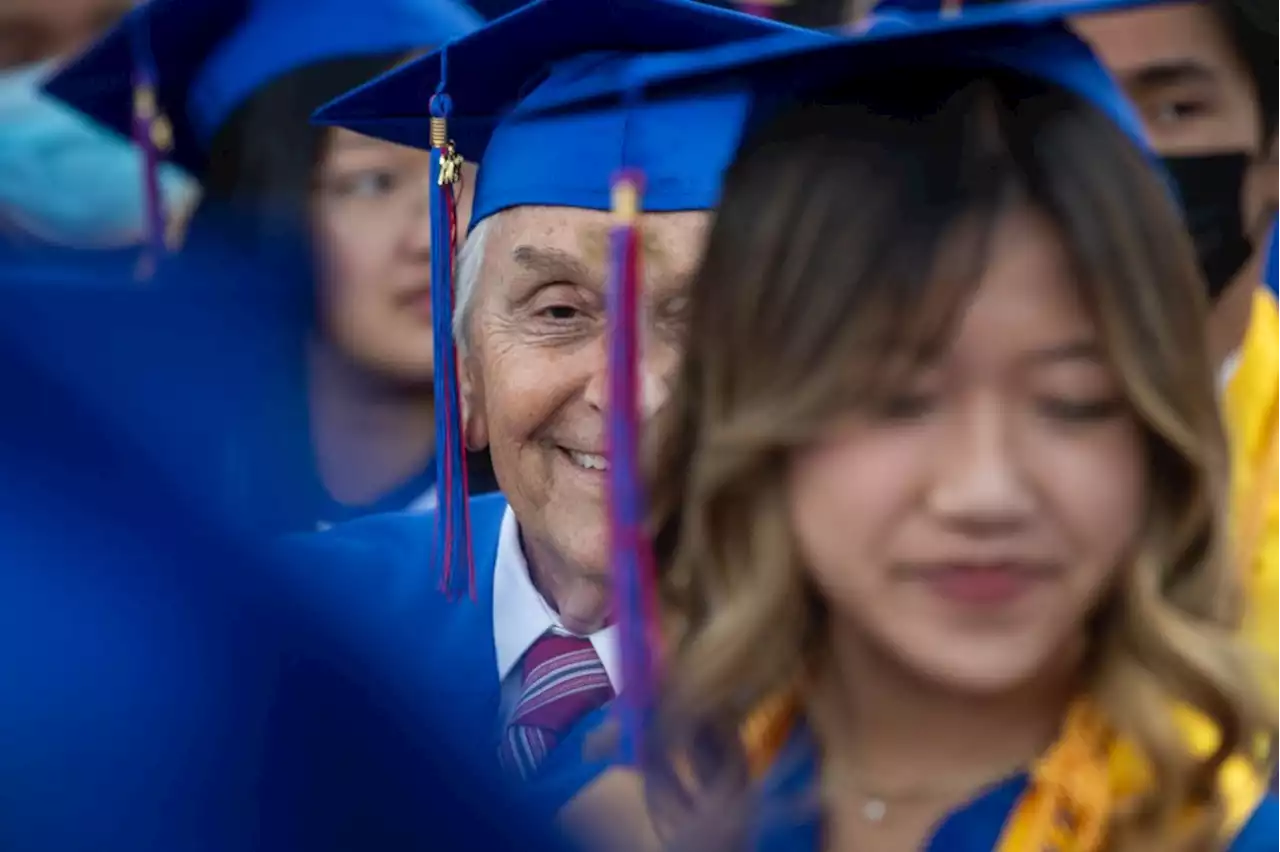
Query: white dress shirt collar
[521,615]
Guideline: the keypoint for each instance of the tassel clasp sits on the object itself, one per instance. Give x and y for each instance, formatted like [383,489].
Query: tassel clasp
[625,198]
[450,161]
[147,110]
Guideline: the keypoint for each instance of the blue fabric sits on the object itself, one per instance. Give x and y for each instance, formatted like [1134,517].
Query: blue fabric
[186,364]
[1261,833]
[1031,38]
[976,827]
[167,686]
[379,575]
[211,55]
[538,49]
[574,763]
[1271,265]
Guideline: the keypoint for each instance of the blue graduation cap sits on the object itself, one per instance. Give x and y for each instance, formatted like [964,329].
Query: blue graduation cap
[536,51]
[462,101]
[1027,36]
[209,56]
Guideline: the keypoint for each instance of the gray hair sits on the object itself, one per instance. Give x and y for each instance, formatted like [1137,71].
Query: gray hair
[467,282]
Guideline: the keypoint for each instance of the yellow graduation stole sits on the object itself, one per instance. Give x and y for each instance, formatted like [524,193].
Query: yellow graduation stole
[1250,407]
[1068,802]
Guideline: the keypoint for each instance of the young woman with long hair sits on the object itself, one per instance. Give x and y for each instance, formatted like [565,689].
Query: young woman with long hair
[940,492]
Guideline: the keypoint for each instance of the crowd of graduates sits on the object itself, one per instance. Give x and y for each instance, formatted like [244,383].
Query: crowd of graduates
[639,425]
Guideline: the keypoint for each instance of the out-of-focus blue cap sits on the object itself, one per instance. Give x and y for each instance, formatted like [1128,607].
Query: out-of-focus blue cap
[211,55]
[1027,36]
[1271,263]
[566,161]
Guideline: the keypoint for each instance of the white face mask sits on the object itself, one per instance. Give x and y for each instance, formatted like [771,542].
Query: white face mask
[64,180]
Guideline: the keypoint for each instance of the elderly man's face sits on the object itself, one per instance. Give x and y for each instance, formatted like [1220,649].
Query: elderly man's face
[536,368]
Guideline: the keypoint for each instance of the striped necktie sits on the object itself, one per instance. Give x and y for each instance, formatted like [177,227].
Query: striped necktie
[562,680]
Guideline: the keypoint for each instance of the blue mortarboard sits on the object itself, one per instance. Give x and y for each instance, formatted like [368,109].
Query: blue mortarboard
[210,55]
[459,102]
[533,52]
[1028,36]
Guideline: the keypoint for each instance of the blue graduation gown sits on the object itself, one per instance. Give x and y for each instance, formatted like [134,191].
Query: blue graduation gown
[380,573]
[976,827]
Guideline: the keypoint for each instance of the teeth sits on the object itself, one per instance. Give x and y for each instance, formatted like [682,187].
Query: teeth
[590,461]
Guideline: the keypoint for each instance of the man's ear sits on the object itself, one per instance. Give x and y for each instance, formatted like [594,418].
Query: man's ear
[475,428]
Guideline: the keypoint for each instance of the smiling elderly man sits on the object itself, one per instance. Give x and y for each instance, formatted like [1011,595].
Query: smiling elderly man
[530,324]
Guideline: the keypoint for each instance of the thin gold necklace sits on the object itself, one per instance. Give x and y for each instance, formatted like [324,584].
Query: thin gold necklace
[876,802]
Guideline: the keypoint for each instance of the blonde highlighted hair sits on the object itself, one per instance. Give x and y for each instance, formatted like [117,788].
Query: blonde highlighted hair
[821,261]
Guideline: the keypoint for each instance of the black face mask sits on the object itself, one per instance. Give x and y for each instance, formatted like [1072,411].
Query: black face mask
[1210,187]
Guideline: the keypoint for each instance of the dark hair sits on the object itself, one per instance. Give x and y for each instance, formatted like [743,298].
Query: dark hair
[1250,26]
[263,159]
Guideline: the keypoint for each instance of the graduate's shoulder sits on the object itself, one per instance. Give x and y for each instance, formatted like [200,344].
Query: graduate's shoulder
[401,536]
[1261,832]
[388,558]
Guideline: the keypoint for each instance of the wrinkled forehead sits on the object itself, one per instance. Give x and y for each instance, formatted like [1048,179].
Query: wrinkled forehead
[571,240]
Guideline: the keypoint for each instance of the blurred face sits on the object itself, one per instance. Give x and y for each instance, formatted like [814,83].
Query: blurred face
[966,530]
[372,219]
[536,376]
[35,30]
[1194,94]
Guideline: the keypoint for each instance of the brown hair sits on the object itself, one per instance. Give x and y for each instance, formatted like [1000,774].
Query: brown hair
[821,270]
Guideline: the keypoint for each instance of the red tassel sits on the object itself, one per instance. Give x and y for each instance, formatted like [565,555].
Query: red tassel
[630,553]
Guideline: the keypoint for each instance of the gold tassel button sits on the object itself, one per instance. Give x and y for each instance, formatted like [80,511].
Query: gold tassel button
[626,200]
[439,131]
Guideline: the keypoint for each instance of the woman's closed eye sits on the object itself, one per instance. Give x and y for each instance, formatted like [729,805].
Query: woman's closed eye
[1080,409]
[904,406]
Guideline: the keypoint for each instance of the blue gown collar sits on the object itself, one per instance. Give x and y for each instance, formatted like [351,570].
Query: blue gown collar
[790,821]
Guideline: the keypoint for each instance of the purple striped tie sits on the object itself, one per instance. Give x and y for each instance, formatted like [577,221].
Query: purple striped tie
[562,680]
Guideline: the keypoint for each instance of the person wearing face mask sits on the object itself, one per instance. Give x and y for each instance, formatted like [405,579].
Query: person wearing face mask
[63,179]
[350,431]
[1203,76]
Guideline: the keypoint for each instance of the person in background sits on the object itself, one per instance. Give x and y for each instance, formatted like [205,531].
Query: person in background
[530,326]
[1203,76]
[63,180]
[351,431]
[940,494]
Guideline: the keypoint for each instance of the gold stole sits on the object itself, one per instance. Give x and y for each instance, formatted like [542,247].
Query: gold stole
[1069,798]
[1250,409]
